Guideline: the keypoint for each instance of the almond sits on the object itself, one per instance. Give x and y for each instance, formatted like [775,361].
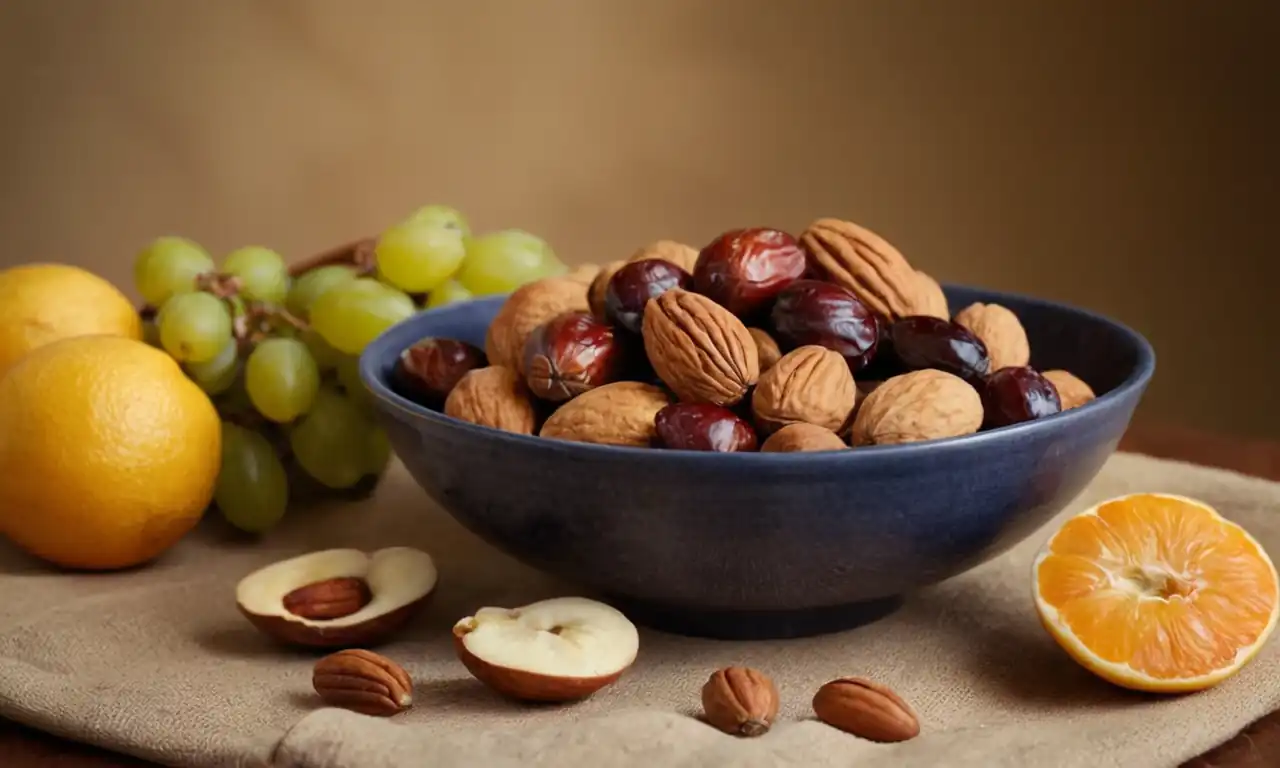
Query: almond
[528,307]
[922,405]
[740,701]
[1000,331]
[494,396]
[1072,390]
[866,709]
[621,413]
[699,349]
[810,384]
[364,682]
[328,599]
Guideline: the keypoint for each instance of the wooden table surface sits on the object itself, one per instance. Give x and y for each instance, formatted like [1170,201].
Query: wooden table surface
[1258,745]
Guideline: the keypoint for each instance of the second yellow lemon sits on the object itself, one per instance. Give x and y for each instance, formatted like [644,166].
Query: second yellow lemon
[42,303]
[108,453]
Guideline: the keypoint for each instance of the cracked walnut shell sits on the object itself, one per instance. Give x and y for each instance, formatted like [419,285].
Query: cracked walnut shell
[621,413]
[1000,331]
[699,349]
[525,309]
[493,397]
[810,384]
[877,273]
[922,405]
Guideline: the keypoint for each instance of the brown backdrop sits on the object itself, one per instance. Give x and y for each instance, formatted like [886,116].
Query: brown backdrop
[1118,155]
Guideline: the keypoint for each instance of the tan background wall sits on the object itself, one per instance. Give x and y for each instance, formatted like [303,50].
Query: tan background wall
[1119,155]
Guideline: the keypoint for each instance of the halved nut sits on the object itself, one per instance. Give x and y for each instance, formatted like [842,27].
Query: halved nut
[554,650]
[337,598]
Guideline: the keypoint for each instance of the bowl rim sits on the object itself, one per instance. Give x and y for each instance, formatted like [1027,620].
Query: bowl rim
[1136,381]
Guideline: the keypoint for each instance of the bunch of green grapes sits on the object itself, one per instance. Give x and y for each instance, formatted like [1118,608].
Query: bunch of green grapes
[278,354]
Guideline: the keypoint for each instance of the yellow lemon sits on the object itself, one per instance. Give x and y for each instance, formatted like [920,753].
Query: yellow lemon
[42,303]
[108,453]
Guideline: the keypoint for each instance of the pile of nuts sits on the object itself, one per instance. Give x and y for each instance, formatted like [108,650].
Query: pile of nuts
[758,341]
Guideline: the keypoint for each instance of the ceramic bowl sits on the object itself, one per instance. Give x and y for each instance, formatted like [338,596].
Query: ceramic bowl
[756,545]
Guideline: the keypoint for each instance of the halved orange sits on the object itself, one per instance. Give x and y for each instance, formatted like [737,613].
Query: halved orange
[1156,592]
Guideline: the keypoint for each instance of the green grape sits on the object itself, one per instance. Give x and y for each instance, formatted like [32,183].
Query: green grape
[308,287]
[440,216]
[332,443]
[282,379]
[194,327]
[349,379]
[169,266]
[351,315]
[263,274]
[326,357]
[252,492]
[217,374]
[500,262]
[416,258]
[449,292]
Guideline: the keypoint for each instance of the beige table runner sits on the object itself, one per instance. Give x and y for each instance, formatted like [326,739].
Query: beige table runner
[158,663]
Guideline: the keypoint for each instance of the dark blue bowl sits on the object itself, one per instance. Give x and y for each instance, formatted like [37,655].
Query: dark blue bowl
[768,544]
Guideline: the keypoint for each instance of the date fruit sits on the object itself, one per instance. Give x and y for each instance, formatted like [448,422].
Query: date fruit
[634,284]
[704,427]
[1016,394]
[828,315]
[744,270]
[570,354]
[428,371]
[922,341]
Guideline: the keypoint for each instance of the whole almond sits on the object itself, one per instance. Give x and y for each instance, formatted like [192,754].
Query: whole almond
[621,413]
[866,709]
[876,272]
[494,396]
[740,701]
[1072,390]
[809,384]
[528,307]
[1000,331]
[328,599]
[683,256]
[766,348]
[699,349]
[922,405]
[364,682]
[803,438]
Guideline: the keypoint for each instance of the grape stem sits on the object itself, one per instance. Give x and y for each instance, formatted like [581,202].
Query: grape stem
[364,257]
[220,285]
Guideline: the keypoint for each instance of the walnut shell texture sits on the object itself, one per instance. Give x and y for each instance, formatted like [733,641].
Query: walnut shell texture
[1072,390]
[802,438]
[600,286]
[922,405]
[740,701]
[766,348]
[867,264]
[528,307]
[699,349]
[495,397]
[621,413]
[1000,331]
[683,256]
[809,384]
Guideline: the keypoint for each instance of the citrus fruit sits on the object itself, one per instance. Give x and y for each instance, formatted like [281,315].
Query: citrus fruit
[1156,592]
[108,453]
[41,303]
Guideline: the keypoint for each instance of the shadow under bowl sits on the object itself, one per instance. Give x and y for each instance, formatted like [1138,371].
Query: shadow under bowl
[756,545]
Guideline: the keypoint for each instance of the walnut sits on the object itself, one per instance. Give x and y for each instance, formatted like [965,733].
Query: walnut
[495,397]
[802,438]
[528,307]
[766,348]
[621,413]
[1000,331]
[699,349]
[809,384]
[599,286]
[1072,390]
[683,256]
[921,405]
[868,265]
